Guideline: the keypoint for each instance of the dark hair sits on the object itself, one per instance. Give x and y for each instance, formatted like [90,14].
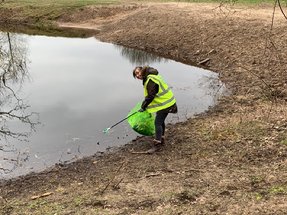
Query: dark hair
[134,71]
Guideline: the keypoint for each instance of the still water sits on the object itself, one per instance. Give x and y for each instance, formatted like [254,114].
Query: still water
[74,88]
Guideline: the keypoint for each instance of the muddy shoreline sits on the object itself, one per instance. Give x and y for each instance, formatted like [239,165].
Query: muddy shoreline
[229,160]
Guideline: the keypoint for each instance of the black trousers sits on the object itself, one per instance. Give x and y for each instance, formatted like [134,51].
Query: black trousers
[160,124]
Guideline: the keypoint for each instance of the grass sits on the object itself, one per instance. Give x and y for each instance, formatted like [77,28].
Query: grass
[44,12]
[39,15]
[221,1]
[54,3]
[33,4]
[272,191]
[235,130]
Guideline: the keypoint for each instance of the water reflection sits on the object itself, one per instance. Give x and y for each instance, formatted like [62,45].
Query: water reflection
[213,86]
[51,31]
[13,71]
[138,57]
[211,83]
[80,87]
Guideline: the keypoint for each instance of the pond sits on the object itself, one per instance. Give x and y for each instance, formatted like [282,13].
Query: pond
[71,89]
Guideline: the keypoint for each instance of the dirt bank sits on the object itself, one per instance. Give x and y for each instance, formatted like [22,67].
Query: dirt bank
[230,160]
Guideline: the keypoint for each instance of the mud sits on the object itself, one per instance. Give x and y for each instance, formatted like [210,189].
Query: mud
[229,160]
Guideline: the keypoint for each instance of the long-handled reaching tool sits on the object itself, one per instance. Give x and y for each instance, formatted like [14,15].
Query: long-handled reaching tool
[107,129]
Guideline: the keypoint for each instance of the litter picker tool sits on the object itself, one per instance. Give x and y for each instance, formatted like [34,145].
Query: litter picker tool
[107,129]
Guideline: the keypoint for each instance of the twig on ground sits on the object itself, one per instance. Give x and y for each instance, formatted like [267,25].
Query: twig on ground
[153,174]
[116,186]
[116,173]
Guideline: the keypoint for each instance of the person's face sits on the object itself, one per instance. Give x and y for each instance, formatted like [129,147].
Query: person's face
[139,74]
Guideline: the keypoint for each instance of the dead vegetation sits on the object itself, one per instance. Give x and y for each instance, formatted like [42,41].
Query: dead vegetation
[230,160]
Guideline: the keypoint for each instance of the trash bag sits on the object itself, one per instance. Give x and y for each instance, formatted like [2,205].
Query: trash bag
[142,122]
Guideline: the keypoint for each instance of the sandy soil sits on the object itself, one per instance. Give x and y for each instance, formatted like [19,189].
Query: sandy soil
[230,160]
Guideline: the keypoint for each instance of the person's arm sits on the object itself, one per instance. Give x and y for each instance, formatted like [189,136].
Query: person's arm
[152,90]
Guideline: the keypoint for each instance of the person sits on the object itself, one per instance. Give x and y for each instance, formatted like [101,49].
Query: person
[158,99]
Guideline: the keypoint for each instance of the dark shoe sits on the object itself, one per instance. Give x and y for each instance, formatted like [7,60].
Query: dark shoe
[162,141]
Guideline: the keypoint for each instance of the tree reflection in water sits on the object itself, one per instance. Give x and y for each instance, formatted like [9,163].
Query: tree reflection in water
[213,87]
[138,57]
[211,83]
[13,109]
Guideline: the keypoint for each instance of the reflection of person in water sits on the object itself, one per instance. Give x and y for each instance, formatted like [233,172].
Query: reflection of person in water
[158,98]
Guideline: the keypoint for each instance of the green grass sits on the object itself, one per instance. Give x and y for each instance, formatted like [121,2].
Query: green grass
[283,2]
[45,10]
[51,7]
[41,14]
[54,3]
[277,190]
[81,3]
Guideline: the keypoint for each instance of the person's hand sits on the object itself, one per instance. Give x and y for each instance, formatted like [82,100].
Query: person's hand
[141,110]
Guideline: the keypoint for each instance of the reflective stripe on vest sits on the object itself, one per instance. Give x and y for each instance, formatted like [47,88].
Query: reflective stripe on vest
[163,99]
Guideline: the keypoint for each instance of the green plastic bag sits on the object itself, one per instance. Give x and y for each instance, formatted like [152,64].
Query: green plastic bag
[142,122]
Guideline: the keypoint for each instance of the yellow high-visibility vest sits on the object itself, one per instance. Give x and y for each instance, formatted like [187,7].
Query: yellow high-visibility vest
[163,99]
